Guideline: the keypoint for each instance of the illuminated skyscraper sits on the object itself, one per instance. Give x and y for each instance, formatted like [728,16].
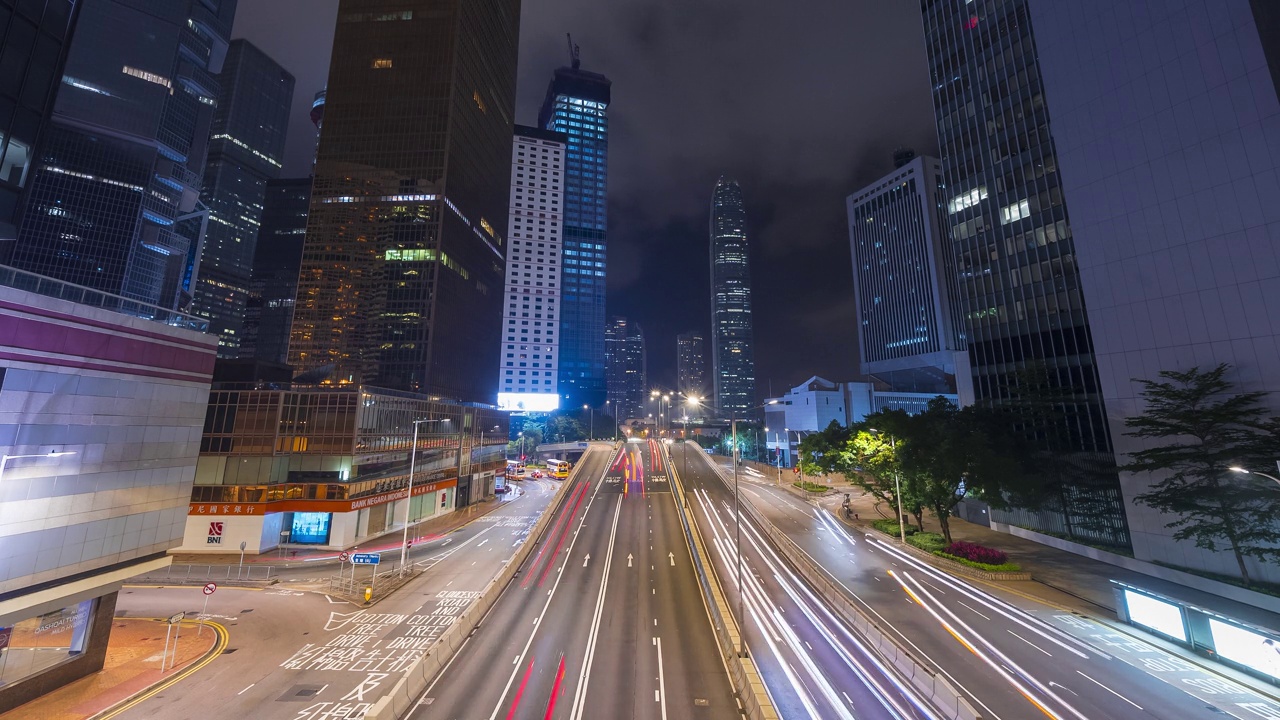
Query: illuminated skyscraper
[246,150]
[732,347]
[527,370]
[403,264]
[691,363]
[576,105]
[628,371]
[1017,279]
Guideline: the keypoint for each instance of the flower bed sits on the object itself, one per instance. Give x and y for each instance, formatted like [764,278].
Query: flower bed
[889,527]
[969,554]
[974,552]
[811,487]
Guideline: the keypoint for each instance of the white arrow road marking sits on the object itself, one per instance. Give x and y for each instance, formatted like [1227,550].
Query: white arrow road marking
[628,559]
[672,558]
[586,559]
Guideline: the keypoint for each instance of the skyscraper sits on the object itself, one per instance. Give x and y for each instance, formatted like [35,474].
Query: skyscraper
[1168,162]
[1015,259]
[402,268]
[576,105]
[277,260]
[691,364]
[246,150]
[732,347]
[902,282]
[38,36]
[113,199]
[628,372]
[527,367]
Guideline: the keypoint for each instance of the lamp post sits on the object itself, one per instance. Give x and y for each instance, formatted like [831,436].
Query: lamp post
[777,452]
[614,414]
[408,500]
[737,509]
[1238,469]
[591,422]
[4,459]
[897,486]
[521,436]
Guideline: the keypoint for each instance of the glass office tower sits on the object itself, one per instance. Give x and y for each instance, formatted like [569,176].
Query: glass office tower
[576,105]
[732,345]
[403,264]
[246,150]
[277,260]
[113,199]
[1021,309]
[35,47]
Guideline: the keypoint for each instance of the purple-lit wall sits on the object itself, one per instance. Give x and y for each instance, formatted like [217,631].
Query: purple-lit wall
[1167,127]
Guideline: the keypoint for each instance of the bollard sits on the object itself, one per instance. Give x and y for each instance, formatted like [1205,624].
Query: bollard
[368,594]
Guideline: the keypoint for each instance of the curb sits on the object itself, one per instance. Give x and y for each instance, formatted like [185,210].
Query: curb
[223,637]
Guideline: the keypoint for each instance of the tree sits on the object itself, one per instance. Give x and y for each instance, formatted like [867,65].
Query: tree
[1204,426]
[825,451]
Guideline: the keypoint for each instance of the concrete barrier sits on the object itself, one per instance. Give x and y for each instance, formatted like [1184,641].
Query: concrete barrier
[400,700]
[743,673]
[919,672]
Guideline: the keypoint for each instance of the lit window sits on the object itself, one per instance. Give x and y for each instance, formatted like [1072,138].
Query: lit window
[967,200]
[381,63]
[1014,212]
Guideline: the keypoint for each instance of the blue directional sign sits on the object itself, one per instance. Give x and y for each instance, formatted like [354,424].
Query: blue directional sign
[366,559]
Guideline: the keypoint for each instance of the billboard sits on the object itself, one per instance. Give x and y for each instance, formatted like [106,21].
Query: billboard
[529,402]
[1163,617]
[1246,647]
[310,528]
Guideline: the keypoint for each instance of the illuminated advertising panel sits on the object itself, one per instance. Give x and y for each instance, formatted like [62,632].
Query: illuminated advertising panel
[1259,652]
[310,528]
[1163,617]
[529,402]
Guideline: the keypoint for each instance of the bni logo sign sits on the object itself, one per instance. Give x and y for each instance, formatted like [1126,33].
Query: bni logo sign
[215,534]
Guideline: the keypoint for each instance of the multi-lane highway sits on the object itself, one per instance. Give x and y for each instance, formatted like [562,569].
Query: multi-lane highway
[1012,658]
[605,618]
[304,656]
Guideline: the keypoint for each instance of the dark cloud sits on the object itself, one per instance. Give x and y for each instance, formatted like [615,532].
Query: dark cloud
[802,102]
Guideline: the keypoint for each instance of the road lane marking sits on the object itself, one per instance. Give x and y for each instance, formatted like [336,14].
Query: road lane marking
[1028,642]
[984,617]
[1113,692]
[580,696]
[246,689]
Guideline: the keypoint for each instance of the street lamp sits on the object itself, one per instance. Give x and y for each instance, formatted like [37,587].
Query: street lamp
[897,486]
[4,459]
[1242,471]
[521,436]
[591,425]
[413,458]
[777,452]
[614,414]
[737,507]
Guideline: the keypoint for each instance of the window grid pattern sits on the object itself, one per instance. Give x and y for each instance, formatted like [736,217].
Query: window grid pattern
[732,344]
[1016,276]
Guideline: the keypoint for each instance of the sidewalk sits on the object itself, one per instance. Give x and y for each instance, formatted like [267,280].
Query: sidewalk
[430,529]
[132,667]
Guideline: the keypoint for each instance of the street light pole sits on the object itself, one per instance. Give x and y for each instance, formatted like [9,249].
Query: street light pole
[413,458]
[4,459]
[1254,472]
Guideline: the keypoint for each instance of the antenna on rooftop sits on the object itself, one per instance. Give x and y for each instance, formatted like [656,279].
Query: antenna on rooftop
[573,52]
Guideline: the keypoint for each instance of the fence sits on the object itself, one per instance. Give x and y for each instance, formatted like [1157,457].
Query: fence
[224,573]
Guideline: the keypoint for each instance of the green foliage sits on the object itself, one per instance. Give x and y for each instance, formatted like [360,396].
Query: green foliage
[812,487]
[1006,567]
[825,451]
[1199,426]
[927,541]
[889,527]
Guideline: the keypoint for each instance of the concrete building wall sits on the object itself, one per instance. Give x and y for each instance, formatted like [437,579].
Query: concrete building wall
[124,398]
[1167,126]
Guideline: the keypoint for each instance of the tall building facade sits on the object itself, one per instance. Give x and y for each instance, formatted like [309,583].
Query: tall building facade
[1017,279]
[732,343]
[35,47]
[576,104]
[902,282]
[277,260]
[691,364]
[113,200]
[245,151]
[1169,161]
[628,371]
[402,269]
[528,370]
[99,433]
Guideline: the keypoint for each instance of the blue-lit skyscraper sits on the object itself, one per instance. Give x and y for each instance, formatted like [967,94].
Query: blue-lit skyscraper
[576,105]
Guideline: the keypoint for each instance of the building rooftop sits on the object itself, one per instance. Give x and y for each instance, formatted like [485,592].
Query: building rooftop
[50,287]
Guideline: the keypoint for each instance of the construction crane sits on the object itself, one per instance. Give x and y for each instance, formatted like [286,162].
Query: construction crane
[573,52]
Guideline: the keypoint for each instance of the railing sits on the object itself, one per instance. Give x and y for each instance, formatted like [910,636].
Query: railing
[224,573]
[51,287]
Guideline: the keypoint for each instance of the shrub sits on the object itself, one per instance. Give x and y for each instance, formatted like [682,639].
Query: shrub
[976,553]
[889,527]
[927,541]
[1004,567]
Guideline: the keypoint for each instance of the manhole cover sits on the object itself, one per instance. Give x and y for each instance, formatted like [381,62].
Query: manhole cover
[300,693]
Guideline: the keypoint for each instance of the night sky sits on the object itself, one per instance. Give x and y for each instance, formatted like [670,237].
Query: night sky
[802,102]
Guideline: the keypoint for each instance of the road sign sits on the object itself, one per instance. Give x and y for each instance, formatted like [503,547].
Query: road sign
[175,619]
[210,588]
[343,557]
[366,559]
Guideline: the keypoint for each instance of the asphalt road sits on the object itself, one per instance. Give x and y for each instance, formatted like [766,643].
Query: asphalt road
[604,620]
[305,656]
[1012,657]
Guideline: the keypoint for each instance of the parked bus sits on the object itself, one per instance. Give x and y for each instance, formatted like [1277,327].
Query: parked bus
[515,470]
[558,468]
